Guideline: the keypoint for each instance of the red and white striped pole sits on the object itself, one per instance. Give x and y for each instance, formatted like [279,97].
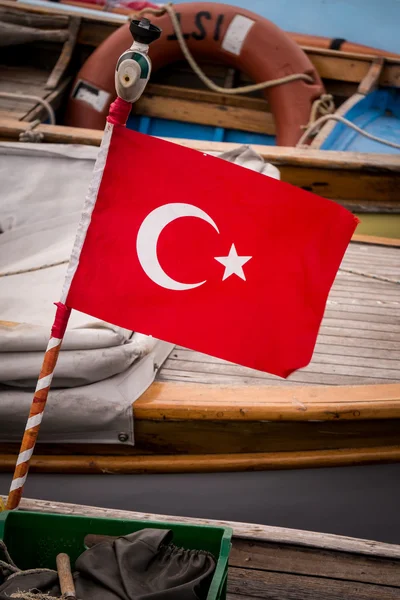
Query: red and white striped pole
[38,405]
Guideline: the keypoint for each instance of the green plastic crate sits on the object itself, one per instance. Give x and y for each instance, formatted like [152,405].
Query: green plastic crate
[34,540]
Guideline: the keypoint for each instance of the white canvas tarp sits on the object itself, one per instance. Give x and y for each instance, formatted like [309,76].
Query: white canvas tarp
[102,368]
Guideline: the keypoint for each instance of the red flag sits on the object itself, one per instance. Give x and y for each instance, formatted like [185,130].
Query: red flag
[199,252]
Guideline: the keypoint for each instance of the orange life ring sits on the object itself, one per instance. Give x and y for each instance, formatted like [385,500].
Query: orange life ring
[218,32]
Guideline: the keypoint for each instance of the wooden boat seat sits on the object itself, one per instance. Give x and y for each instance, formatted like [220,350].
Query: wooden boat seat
[17,28]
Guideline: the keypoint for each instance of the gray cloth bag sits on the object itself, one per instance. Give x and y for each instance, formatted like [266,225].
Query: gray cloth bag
[144,565]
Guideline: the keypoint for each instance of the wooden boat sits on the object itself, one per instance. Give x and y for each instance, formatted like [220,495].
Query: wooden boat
[211,415]
[273,562]
[173,105]
[237,119]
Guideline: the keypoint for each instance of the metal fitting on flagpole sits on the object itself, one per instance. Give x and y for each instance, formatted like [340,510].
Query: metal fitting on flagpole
[134,66]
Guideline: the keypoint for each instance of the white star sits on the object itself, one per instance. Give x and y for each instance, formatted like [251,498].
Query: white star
[233,263]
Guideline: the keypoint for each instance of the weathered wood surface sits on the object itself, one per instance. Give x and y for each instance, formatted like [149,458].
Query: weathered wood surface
[301,561]
[351,67]
[205,113]
[24,81]
[27,81]
[331,160]
[282,564]
[206,108]
[65,55]
[256,583]
[200,95]
[247,531]
[10,12]
[53,97]
[12,34]
[53,12]
[371,80]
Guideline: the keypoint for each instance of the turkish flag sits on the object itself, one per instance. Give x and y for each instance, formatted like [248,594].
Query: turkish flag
[199,252]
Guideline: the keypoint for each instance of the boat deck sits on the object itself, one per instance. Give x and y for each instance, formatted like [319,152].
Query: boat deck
[204,414]
[359,340]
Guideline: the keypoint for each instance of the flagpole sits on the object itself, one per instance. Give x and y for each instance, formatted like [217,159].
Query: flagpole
[38,405]
[132,74]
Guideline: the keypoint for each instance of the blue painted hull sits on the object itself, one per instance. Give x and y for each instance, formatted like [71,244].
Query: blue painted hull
[193,131]
[355,20]
[377,114]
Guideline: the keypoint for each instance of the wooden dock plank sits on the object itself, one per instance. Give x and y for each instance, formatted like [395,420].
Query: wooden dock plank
[283,564]
[248,531]
[301,561]
[292,587]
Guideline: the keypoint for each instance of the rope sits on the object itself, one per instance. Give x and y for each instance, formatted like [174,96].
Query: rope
[44,103]
[11,564]
[246,89]
[312,129]
[9,567]
[34,595]
[29,135]
[33,137]
[324,105]
[32,269]
[379,277]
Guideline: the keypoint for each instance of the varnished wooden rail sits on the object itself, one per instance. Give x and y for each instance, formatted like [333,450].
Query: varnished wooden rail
[204,463]
[174,401]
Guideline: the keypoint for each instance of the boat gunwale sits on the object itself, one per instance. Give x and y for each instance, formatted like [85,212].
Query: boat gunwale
[279,155]
[203,402]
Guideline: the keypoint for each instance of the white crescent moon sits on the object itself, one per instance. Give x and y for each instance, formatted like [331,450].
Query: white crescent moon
[147,238]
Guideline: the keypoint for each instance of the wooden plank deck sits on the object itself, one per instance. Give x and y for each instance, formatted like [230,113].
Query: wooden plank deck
[359,340]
